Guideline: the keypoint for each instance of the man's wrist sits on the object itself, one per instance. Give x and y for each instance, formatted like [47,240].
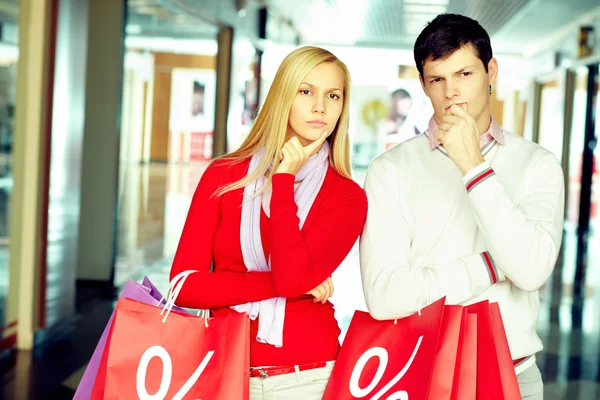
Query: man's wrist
[471,164]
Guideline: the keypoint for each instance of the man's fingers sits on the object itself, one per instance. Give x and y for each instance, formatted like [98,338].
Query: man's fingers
[450,119]
[440,134]
[460,112]
[445,126]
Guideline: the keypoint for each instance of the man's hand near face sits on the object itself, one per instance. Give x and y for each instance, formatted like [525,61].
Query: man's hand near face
[459,135]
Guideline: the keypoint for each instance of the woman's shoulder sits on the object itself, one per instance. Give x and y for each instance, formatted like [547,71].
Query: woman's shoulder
[342,188]
[224,169]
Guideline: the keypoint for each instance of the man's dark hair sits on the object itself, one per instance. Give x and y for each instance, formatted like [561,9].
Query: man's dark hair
[447,33]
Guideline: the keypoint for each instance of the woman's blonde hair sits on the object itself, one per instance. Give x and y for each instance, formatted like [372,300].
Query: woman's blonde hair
[271,125]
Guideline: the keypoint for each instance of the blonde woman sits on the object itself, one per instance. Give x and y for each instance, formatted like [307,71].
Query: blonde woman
[276,218]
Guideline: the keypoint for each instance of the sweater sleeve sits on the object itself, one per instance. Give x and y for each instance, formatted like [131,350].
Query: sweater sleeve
[393,287]
[523,237]
[205,289]
[301,260]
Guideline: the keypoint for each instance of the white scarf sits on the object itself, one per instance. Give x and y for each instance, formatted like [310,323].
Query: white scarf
[271,312]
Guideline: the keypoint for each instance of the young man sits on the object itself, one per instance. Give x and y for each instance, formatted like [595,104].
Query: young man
[466,210]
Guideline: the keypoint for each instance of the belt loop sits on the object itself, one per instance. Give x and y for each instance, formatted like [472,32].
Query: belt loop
[297,370]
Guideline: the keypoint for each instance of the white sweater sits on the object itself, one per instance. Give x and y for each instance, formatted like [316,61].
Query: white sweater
[492,234]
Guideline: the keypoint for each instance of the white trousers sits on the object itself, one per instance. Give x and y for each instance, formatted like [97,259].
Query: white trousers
[531,384]
[301,385]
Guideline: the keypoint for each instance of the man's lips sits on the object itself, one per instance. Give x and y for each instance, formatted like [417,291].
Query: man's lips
[455,104]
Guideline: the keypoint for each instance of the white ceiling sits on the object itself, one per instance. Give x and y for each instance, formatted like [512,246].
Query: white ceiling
[515,26]
[166,18]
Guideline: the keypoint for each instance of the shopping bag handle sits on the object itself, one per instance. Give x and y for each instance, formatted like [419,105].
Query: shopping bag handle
[175,287]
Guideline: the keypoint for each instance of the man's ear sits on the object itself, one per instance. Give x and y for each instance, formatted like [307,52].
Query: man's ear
[493,70]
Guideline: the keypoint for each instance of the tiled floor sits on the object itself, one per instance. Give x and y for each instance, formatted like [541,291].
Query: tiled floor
[153,205]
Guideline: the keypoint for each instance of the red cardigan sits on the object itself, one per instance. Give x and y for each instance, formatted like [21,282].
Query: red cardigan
[300,260]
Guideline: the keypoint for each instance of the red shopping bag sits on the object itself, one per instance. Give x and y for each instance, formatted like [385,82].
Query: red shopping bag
[496,378]
[381,358]
[510,384]
[465,373]
[452,329]
[180,359]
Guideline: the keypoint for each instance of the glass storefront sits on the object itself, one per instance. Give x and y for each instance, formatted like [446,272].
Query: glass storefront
[167,123]
[9,54]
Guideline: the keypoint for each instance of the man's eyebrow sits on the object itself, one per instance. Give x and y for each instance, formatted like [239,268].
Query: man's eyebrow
[457,72]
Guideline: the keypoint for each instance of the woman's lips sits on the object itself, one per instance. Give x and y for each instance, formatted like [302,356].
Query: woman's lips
[317,123]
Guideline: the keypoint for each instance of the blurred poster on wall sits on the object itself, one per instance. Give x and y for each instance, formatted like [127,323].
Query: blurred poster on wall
[383,116]
[409,112]
[368,114]
[192,99]
[191,121]
[198,91]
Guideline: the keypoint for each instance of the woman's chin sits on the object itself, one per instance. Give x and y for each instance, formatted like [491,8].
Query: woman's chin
[307,138]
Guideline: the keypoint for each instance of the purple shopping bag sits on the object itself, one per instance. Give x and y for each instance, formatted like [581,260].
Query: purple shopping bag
[146,293]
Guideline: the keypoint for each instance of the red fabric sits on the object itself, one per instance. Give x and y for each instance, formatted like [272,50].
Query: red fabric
[300,260]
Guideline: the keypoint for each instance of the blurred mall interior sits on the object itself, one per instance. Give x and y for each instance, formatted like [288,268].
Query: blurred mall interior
[110,110]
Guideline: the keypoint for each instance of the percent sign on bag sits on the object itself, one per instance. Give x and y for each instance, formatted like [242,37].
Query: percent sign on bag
[167,374]
[387,360]
[382,354]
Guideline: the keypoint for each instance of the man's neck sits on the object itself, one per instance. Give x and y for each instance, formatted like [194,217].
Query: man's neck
[484,121]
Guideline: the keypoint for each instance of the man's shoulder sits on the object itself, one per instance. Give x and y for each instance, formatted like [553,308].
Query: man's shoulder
[529,152]
[402,161]
[412,146]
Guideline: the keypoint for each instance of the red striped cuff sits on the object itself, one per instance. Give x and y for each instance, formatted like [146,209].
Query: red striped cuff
[479,178]
[491,267]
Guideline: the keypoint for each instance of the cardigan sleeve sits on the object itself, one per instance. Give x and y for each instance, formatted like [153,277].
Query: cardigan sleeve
[205,289]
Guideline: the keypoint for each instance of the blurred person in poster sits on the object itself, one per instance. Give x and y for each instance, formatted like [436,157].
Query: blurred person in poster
[198,99]
[400,125]
[401,105]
